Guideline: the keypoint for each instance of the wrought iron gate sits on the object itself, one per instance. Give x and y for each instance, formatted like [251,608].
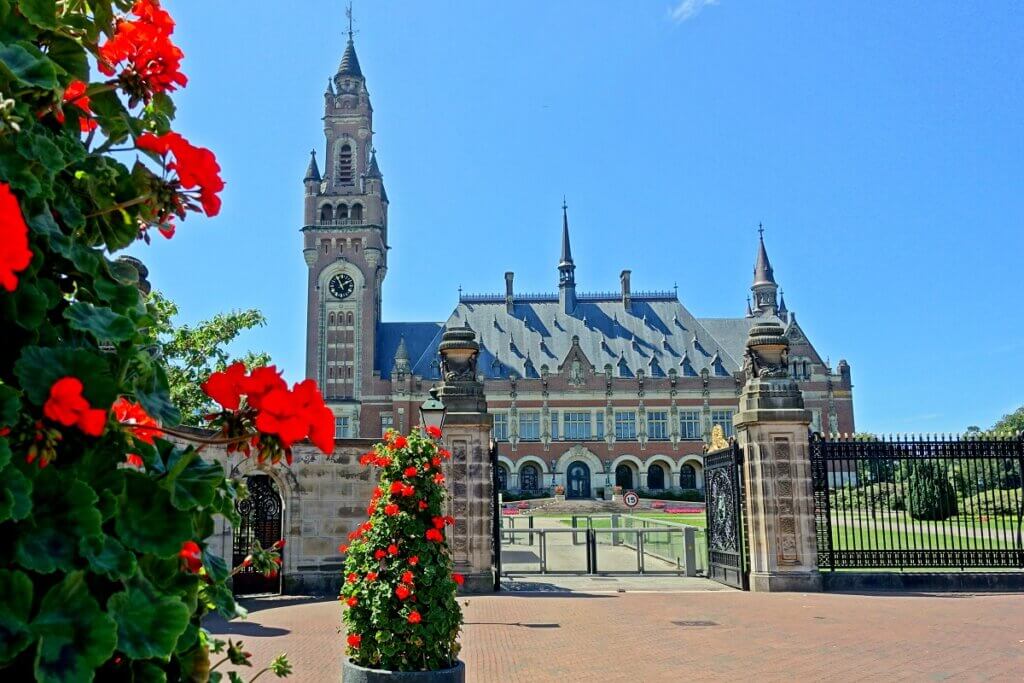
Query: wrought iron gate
[261,521]
[727,562]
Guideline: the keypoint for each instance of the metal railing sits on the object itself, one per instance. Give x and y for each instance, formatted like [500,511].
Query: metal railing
[911,502]
[596,545]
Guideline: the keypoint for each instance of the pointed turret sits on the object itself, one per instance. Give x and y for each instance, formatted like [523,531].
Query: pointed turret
[783,311]
[401,364]
[764,287]
[374,170]
[312,171]
[566,268]
[349,61]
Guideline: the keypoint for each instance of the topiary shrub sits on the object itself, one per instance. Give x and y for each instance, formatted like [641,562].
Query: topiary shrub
[931,495]
[399,588]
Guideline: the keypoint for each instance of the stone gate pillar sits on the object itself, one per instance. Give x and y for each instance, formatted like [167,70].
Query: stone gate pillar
[771,427]
[467,434]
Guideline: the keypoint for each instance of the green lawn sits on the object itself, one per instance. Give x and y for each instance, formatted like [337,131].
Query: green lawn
[909,536]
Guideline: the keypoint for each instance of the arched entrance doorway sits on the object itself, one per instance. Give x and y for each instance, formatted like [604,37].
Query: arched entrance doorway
[261,521]
[577,478]
[624,477]
[655,477]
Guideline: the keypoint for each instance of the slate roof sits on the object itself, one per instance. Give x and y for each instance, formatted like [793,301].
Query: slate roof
[349,62]
[420,339]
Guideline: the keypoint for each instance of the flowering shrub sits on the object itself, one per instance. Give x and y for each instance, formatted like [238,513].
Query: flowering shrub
[105,571]
[399,589]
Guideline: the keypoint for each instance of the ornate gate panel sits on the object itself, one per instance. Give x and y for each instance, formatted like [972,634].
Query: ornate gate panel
[723,482]
[261,521]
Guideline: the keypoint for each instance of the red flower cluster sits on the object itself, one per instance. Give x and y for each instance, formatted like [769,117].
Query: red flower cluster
[397,442]
[371,458]
[355,639]
[67,406]
[196,167]
[288,414]
[14,252]
[434,432]
[153,62]
[75,94]
[192,556]
[414,617]
[402,591]
[143,426]
[434,535]
[459,579]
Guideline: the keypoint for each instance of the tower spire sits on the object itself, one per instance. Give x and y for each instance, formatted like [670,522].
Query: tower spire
[312,172]
[566,267]
[764,287]
[349,61]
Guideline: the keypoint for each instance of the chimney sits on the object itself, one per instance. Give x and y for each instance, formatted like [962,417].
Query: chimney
[626,299]
[508,290]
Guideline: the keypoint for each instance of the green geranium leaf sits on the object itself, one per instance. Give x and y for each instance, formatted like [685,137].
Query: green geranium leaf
[102,323]
[148,672]
[10,405]
[107,556]
[69,55]
[147,523]
[15,494]
[155,397]
[215,565]
[30,305]
[116,294]
[65,513]
[149,623]
[42,13]
[76,637]
[28,65]
[39,367]
[113,118]
[124,272]
[5,452]
[196,484]
[15,604]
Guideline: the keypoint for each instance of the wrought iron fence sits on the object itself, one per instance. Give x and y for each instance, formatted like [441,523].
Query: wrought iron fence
[914,502]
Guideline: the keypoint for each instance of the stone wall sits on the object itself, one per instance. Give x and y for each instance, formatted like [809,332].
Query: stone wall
[324,498]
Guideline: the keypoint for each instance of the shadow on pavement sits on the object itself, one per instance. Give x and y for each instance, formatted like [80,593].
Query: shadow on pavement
[258,604]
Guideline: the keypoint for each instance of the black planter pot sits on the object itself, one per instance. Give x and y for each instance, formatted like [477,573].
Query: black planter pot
[353,673]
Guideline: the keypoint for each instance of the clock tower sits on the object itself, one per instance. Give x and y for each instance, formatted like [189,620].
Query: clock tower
[344,238]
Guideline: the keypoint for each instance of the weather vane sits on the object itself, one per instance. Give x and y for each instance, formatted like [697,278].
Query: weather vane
[760,229]
[348,13]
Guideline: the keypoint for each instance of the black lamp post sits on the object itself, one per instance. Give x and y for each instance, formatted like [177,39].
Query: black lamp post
[432,410]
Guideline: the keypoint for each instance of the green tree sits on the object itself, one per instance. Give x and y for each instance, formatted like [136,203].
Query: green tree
[1014,422]
[193,353]
[931,494]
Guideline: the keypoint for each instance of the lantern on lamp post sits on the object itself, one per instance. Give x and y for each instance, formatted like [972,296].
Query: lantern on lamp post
[432,411]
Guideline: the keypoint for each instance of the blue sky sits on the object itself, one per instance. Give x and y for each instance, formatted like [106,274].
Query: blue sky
[880,143]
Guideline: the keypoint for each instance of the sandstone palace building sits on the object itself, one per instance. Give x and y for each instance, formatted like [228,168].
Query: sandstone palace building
[587,389]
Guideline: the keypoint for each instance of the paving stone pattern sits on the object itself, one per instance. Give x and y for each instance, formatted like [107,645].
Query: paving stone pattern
[708,636]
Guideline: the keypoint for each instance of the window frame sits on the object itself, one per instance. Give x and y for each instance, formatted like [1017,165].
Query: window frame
[624,419]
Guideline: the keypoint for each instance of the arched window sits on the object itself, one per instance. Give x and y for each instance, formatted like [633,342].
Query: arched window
[502,474]
[348,372]
[356,213]
[330,373]
[342,211]
[345,174]
[528,478]
[687,477]
[348,319]
[624,476]
[655,477]
[326,213]
[330,319]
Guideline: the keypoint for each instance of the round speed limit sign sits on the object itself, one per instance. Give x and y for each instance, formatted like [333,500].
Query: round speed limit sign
[630,499]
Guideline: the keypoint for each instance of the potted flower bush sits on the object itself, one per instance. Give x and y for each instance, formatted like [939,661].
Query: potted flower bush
[401,616]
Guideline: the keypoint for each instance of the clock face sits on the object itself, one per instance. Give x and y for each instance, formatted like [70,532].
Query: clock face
[341,286]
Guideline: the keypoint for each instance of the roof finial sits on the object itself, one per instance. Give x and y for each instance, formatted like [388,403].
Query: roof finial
[348,13]
[760,230]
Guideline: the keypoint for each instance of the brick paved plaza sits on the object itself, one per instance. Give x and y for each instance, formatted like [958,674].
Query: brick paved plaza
[645,636]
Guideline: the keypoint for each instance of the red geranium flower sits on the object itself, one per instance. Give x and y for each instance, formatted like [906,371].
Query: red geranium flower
[434,535]
[14,252]
[449,520]
[434,432]
[261,382]
[396,487]
[225,387]
[152,61]
[410,472]
[392,549]
[398,442]
[438,522]
[75,94]
[445,453]
[436,462]
[402,592]
[134,460]
[438,478]
[379,554]
[371,576]
[407,577]
[352,602]
[352,578]
[354,640]
[342,548]
[414,617]
[423,505]
[390,509]
[67,406]
[145,427]
[458,579]
[196,168]
[408,491]
[414,560]
[191,554]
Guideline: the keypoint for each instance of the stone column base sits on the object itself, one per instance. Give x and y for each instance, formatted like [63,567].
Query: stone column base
[477,582]
[785,582]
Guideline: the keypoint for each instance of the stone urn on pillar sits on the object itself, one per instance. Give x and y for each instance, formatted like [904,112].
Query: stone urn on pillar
[467,434]
[771,427]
